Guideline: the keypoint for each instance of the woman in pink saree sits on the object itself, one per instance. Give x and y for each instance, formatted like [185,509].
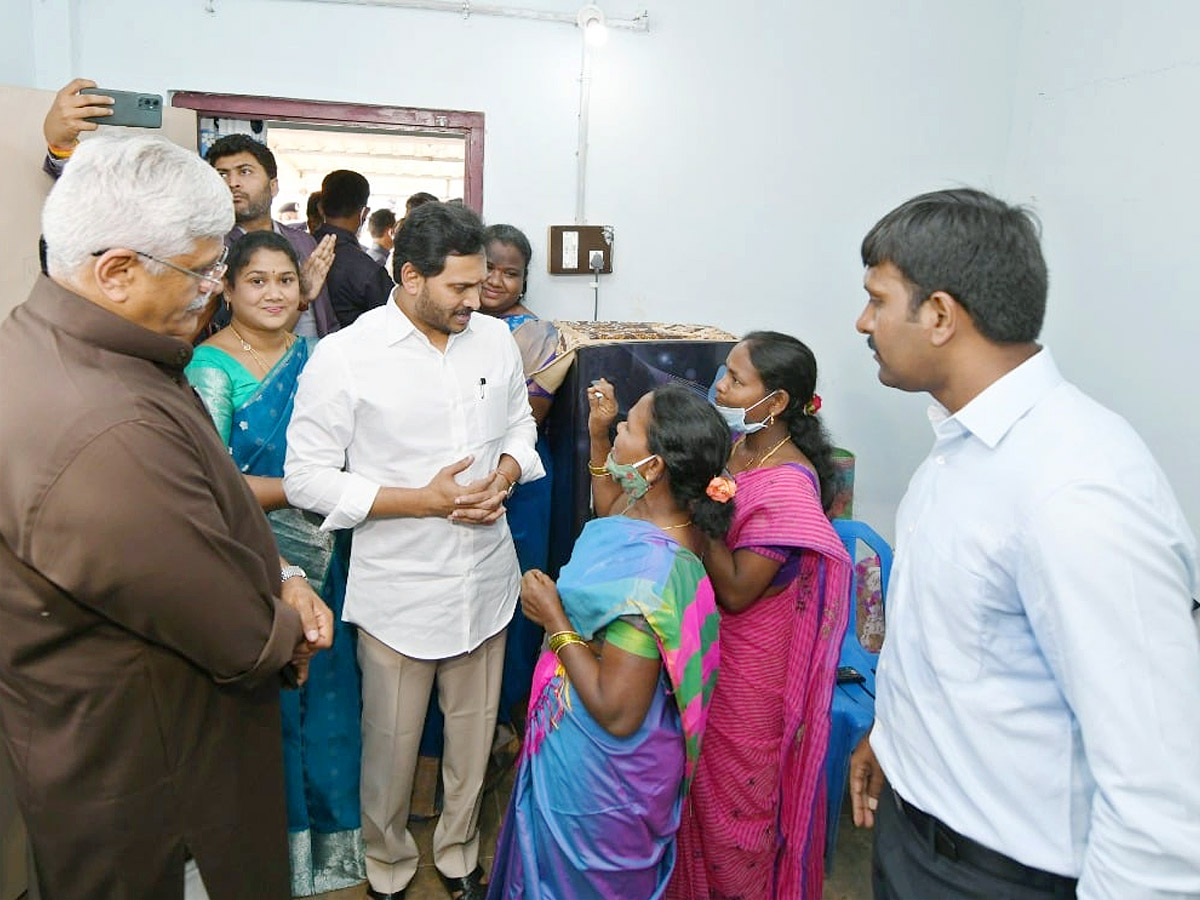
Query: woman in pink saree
[754,824]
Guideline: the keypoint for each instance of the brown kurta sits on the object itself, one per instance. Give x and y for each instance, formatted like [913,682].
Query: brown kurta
[141,640]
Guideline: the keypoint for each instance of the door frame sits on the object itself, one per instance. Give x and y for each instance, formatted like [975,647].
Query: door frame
[467,125]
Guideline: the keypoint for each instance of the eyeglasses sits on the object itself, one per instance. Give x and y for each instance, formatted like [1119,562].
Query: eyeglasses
[210,278]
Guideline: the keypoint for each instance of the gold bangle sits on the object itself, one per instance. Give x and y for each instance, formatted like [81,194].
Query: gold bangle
[570,640]
[504,475]
[61,152]
[560,639]
[597,471]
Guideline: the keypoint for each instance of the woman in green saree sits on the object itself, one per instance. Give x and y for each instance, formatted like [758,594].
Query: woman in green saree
[247,375]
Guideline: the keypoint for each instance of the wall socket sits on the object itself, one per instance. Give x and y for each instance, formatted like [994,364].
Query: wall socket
[580,249]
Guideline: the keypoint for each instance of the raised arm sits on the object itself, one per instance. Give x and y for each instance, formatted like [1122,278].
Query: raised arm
[602,410]
[67,118]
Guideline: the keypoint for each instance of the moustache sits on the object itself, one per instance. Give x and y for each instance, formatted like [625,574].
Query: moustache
[871,344]
[198,304]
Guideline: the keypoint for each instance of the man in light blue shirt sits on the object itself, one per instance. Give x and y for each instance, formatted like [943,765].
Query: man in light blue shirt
[1038,708]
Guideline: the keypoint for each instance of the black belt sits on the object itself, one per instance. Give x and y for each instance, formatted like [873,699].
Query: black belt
[957,847]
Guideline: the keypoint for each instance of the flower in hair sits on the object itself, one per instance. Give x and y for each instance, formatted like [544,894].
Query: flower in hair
[813,406]
[721,489]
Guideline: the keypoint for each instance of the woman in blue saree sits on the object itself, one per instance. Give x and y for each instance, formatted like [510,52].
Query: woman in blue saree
[620,696]
[247,375]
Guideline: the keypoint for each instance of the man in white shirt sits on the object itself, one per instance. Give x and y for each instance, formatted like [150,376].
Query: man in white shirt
[411,426]
[1038,706]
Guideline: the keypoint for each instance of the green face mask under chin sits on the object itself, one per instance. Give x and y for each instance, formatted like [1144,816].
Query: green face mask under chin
[626,475]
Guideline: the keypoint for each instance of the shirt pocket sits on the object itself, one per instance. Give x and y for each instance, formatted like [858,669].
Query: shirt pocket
[487,411]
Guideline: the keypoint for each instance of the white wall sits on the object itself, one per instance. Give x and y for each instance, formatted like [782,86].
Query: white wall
[1104,144]
[16,55]
[833,112]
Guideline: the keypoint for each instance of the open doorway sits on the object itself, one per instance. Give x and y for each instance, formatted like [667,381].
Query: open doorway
[400,150]
[397,164]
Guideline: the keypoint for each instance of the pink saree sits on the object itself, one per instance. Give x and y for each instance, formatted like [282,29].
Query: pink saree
[754,822]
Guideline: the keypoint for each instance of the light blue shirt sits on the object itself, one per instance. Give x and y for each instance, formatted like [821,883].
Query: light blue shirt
[1039,688]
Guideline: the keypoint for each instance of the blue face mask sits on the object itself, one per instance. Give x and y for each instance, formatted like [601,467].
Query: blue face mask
[735,416]
[626,475]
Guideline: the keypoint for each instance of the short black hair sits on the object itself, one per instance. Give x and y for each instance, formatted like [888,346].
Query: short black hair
[981,251]
[344,193]
[241,250]
[381,220]
[432,232]
[233,144]
[420,198]
[514,237]
[313,207]
[693,441]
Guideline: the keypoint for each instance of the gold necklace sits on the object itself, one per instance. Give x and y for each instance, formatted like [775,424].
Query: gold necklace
[762,459]
[673,527]
[254,353]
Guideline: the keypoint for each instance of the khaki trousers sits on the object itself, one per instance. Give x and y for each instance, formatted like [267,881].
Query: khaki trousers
[395,698]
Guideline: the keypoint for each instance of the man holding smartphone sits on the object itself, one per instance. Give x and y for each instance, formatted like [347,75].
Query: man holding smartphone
[247,166]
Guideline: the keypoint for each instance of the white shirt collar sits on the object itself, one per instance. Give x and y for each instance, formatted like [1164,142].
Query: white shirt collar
[399,326]
[1001,404]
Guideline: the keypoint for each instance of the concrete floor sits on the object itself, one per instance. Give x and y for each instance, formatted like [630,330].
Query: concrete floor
[849,879]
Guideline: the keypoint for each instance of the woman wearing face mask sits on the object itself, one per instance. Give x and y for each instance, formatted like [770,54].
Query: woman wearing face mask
[754,823]
[620,697]
[247,374]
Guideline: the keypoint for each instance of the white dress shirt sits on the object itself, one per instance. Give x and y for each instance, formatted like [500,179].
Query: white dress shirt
[1039,688]
[379,406]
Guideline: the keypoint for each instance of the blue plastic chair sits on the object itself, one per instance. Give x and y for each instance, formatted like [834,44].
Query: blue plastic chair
[853,704]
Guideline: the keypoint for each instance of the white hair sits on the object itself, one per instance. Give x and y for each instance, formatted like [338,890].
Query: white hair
[139,193]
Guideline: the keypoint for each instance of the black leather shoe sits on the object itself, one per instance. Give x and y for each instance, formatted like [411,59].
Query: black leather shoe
[378,895]
[469,887]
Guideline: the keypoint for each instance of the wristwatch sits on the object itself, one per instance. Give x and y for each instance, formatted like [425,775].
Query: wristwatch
[291,572]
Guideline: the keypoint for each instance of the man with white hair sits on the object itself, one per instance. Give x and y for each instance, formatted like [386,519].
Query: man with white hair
[145,630]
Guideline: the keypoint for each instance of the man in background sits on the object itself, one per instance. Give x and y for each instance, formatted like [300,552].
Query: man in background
[289,214]
[248,166]
[356,282]
[420,198]
[312,213]
[1038,694]
[381,225]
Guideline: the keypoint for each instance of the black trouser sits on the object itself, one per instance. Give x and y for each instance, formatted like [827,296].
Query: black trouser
[918,858]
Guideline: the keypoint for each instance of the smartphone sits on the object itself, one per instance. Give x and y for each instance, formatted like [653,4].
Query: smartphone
[849,675]
[132,109]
